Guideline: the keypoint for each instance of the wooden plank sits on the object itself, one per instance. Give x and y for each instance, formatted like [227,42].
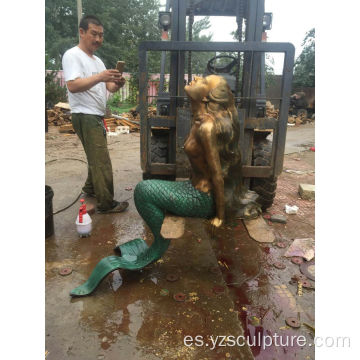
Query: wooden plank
[256,171]
[173,227]
[66,128]
[162,121]
[163,169]
[259,230]
[62,105]
[261,123]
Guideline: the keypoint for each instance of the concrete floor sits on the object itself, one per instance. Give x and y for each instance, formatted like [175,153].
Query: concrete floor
[230,284]
[300,138]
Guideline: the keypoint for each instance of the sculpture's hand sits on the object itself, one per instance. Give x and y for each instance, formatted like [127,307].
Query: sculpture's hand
[215,224]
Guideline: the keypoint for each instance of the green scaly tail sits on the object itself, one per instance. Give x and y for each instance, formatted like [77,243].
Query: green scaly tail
[152,199]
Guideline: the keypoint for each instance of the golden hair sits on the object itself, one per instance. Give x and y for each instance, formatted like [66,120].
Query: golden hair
[220,103]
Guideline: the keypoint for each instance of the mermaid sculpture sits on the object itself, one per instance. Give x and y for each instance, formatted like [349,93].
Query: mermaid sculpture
[214,190]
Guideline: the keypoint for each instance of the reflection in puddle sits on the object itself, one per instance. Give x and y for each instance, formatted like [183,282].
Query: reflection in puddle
[154,280]
[116,281]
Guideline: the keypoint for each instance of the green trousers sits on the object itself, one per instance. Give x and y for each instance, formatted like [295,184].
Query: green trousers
[91,131]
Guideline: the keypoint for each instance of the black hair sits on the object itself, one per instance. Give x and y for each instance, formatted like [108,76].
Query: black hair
[89,19]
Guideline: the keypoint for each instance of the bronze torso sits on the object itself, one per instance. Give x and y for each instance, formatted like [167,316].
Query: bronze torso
[200,175]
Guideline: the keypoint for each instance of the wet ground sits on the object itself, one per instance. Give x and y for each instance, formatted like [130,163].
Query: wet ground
[228,282]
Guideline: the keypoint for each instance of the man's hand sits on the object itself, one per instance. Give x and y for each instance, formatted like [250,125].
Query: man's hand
[114,86]
[112,78]
[120,82]
[111,75]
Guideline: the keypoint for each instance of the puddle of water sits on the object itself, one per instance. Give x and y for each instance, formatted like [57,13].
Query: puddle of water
[252,281]
[116,280]
[135,317]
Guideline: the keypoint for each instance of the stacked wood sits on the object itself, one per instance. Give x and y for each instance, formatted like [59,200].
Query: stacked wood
[297,120]
[291,119]
[59,115]
[67,128]
[64,106]
[134,115]
[300,120]
[151,111]
[271,111]
[131,119]
[113,122]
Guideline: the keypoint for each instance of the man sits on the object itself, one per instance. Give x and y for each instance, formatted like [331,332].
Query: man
[87,81]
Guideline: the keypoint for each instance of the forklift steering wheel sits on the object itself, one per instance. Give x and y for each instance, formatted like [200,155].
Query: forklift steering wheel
[230,68]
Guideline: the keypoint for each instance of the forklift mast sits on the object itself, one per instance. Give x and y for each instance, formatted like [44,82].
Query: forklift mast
[252,12]
[173,111]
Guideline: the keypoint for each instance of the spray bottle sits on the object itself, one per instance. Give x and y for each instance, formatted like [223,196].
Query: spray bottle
[83,221]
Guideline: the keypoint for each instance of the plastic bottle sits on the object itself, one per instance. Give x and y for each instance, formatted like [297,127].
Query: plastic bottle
[83,221]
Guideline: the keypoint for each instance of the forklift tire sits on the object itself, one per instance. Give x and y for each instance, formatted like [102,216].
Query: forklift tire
[264,187]
[159,148]
[159,154]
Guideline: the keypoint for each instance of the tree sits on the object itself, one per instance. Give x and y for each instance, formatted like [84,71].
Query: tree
[304,71]
[199,60]
[126,24]
[269,61]
[54,92]
[269,71]
[60,30]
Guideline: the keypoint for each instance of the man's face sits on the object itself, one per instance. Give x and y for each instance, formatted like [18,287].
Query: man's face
[93,37]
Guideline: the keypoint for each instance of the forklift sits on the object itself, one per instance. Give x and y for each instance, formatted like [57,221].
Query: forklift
[162,136]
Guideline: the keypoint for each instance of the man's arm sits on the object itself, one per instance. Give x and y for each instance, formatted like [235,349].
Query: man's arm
[83,84]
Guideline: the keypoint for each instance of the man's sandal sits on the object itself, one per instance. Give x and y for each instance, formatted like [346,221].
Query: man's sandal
[118,208]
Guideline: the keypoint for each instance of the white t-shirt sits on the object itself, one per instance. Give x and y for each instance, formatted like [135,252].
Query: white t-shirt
[77,64]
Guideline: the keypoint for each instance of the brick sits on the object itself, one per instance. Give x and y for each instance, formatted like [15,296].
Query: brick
[278,218]
[307,191]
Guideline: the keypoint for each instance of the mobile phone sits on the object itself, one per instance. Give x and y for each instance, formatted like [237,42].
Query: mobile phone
[120,66]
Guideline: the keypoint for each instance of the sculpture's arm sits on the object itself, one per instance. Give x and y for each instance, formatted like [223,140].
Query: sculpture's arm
[207,135]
